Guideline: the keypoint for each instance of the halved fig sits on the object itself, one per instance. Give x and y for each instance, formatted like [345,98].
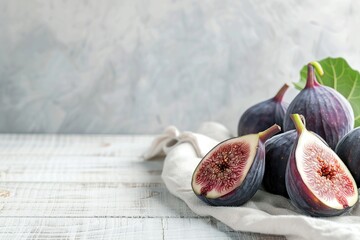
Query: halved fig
[278,149]
[317,180]
[231,173]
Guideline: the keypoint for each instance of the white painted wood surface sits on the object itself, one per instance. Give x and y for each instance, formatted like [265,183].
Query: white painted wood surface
[93,187]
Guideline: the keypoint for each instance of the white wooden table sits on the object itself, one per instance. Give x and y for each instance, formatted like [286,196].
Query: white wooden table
[93,187]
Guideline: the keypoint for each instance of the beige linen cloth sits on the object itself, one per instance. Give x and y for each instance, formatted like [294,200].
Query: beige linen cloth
[264,213]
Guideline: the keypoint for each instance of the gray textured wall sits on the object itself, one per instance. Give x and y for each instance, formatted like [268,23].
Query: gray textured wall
[132,66]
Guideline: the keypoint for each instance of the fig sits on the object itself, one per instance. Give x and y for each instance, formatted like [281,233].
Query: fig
[348,150]
[277,152]
[264,114]
[326,111]
[317,181]
[231,173]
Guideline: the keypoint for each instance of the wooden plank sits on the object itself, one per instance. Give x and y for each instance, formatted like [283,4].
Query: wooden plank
[90,199]
[52,161]
[17,168]
[119,228]
[83,228]
[75,145]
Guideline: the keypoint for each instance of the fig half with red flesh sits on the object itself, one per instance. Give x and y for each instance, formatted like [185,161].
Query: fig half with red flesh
[232,172]
[317,180]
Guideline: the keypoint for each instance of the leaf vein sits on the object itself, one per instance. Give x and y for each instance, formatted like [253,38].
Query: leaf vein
[353,87]
[335,79]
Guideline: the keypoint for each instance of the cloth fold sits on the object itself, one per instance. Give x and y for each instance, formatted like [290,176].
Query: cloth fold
[265,213]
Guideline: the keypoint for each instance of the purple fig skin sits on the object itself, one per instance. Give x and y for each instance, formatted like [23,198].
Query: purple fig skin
[264,114]
[249,186]
[326,111]
[349,151]
[278,149]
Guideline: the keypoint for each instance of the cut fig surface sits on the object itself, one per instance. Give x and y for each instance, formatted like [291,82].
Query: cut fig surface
[225,167]
[317,180]
[324,173]
[231,173]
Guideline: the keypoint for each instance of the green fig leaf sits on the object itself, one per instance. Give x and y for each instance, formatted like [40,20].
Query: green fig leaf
[340,76]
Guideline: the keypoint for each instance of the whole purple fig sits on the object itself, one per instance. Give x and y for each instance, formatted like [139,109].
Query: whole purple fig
[349,151]
[326,111]
[264,114]
[231,173]
[278,149]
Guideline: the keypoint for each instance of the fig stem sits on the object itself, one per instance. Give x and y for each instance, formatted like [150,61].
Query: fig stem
[280,94]
[268,133]
[311,78]
[318,68]
[299,122]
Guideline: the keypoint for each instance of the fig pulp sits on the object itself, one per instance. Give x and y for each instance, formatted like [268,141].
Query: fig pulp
[317,181]
[231,173]
[349,151]
[264,114]
[278,149]
[326,111]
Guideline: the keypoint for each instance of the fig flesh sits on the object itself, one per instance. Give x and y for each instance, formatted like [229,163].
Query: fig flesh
[264,114]
[326,111]
[278,149]
[348,150]
[231,173]
[317,181]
